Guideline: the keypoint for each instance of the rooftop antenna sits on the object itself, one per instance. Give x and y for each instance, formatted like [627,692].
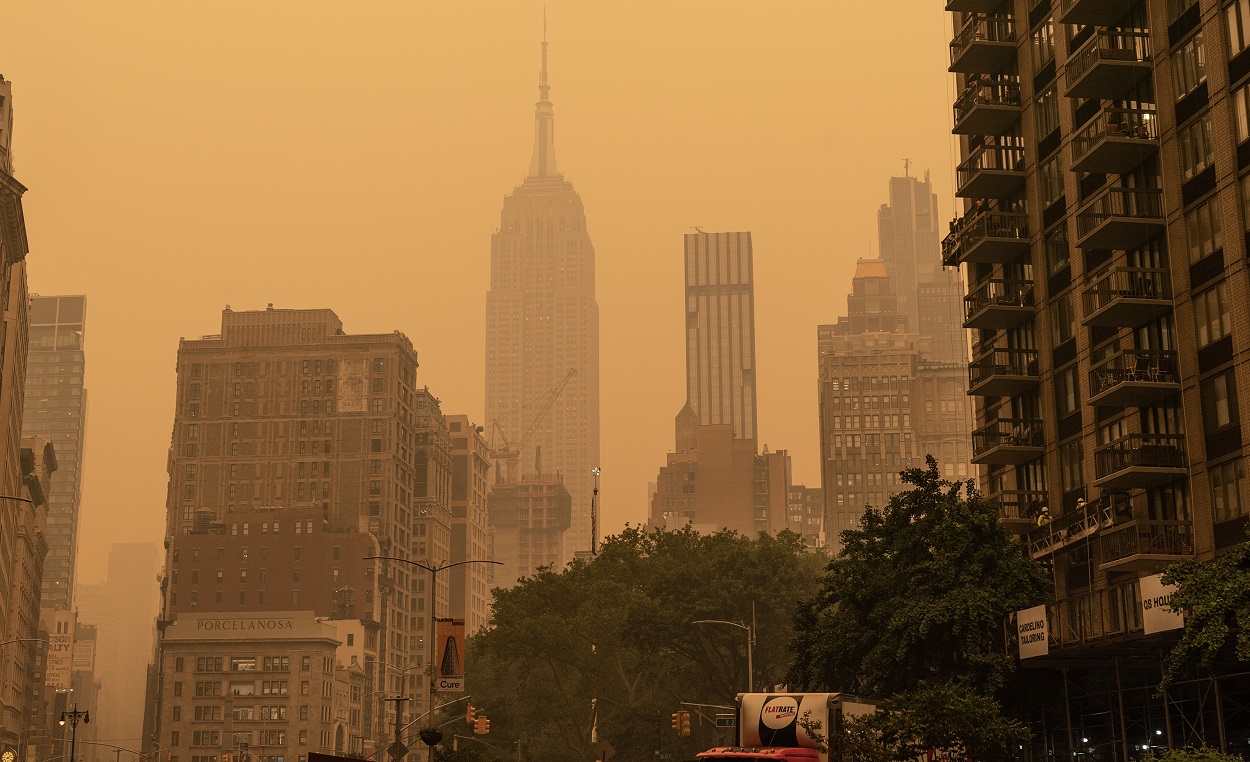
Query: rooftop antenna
[906,162]
[696,228]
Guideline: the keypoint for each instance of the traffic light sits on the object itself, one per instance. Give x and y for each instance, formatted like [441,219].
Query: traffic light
[685,723]
[485,725]
[676,720]
[470,715]
[479,726]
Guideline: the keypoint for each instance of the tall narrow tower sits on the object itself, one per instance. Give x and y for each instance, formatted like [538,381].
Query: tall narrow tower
[542,321]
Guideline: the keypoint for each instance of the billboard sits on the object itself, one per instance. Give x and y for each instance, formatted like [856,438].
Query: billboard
[449,654]
[60,660]
[767,719]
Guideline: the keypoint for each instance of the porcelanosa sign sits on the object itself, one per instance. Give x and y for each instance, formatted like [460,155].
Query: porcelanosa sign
[224,626]
[245,623]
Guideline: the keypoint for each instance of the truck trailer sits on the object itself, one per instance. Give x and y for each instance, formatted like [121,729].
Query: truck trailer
[788,727]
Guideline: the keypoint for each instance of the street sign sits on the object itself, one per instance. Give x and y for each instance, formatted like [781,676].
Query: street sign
[449,683]
[726,720]
[397,750]
[604,751]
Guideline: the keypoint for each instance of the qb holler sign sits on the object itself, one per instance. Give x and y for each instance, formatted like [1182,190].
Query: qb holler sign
[1156,611]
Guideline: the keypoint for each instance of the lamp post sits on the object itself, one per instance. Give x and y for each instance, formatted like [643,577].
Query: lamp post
[594,526]
[74,716]
[427,701]
[750,631]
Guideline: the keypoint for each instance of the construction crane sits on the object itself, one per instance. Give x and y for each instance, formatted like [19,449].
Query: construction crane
[510,454]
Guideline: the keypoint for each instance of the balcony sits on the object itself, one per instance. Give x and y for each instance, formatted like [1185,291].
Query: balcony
[1127,297]
[1095,12]
[1145,545]
[1003,373]
[988,106]
[1008,442]
[1116,141]
[1109,64]
[1090,617]
[991,171]
[981,236]
[985,45]
[1076,525]
[1018,509]
[1120,218]
[1139,461]
[999,304]
[1134,378]
[973,6]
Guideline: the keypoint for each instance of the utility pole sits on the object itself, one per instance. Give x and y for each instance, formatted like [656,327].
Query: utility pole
[397,749]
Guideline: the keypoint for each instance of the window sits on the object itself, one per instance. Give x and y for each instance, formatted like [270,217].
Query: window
[1228,489]
[1047,114]
[178,664]
[305,663]
[1044,46]
[1063,318]
[1070,458]
[1177,7]
[1052,180]
[1241,112]
[377,405]
[1202,228]
[1211,315]
[1238,15]
[1219,402]
[1189,67]
[1067,391]
[1057,257]
[1194,141]
[379,364]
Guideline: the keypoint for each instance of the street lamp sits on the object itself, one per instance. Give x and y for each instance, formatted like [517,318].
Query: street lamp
[74,716]
[750,631]
[594,533]
[428,694]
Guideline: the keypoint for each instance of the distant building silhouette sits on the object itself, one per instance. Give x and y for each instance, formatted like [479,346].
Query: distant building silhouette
[542,321]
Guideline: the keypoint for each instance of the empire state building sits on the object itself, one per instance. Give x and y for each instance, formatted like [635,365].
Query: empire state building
[542,330]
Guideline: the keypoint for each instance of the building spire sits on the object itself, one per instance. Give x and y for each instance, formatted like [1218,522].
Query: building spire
[543,163]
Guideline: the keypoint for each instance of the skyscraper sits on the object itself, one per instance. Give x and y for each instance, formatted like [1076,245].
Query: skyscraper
[56,408]
[1104,149]
[720,331]
[542,321]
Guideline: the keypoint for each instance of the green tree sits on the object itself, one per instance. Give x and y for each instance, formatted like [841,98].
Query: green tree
[920,592]
[946,716]
[1215,596]
[618,630]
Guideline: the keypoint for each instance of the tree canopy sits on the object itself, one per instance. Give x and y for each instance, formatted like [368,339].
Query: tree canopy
[1215,596]
[919,592]
[618,630]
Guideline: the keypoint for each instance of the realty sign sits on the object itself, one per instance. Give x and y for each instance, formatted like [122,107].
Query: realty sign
[1033,630]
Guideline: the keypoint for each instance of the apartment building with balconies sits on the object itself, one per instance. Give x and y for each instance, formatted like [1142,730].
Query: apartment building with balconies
[1102,235]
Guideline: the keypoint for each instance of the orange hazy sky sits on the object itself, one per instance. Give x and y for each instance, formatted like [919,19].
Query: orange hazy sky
[182,156]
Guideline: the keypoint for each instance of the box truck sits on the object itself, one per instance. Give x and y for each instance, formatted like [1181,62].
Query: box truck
[788,727]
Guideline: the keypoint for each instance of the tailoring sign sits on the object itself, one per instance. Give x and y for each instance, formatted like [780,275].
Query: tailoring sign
[1156,612]
[1033,630]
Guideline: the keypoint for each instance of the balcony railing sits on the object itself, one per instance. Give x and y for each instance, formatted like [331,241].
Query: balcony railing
[1110,63]
[999,304]
[988,106]
[1116,141]
[1139,461]
[973,6]
[1146,544]
[983,236]
[1134,377]
[1089,617]
[1018,509]
[1120,218]
[991,171]
[985,45]
[1008,441]
[1096,12]
[1077,525]
[1003,372]
[1127,297]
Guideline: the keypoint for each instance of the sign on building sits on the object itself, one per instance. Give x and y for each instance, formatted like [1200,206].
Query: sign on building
[60,660]
[1156,612]
[1033,630]
[449,654]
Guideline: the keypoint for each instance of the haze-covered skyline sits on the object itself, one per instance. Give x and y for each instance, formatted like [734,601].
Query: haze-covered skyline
[181,159]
